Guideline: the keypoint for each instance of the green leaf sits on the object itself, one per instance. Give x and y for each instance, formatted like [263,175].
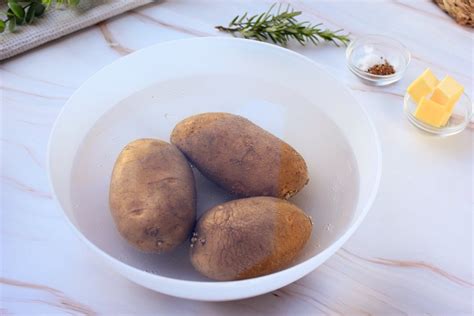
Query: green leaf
[17,9]
[242,18]
[12,25]
[10,14]
[260,17]
[39,10]
[282,26]
[2,26]
[73,2]
[271,9]
[46,3]
[30,13]
[233,21]
[19,21]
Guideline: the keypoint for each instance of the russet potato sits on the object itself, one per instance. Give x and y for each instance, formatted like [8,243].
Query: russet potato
[240,156]
[249,237]
[152,195]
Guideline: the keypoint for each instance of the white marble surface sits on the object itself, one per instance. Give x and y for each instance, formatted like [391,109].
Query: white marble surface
[412,255]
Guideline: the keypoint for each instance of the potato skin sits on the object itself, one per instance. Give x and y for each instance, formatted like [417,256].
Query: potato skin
[240,156]
[248,238]
[152,195]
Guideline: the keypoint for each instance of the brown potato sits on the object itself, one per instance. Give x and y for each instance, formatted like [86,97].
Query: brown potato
[152,195]
[240,156]
[249,237]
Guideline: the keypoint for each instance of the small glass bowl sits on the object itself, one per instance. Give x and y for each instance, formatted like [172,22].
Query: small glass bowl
[458,121]
[369,50]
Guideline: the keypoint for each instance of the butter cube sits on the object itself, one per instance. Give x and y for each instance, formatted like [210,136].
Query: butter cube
[423,85]
[447,93]
[431,112]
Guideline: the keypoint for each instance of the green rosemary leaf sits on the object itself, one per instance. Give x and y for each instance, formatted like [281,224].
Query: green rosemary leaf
[263,35]
[259,18]
[2,26]
[233,20]
[313,40]
[242,18]
[269,11]
[291,15]
[280,27]
[251,19]
[271,37]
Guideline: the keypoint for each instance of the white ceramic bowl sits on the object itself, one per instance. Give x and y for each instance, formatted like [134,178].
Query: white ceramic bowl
[146,93]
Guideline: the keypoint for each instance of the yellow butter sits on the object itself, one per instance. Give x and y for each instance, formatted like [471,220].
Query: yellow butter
[431,112]
[423,85]
[447,93]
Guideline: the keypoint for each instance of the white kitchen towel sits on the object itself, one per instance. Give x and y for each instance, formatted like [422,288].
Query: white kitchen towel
[57,22]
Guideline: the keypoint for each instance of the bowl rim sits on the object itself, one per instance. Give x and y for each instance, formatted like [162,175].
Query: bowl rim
[439,131]
[298,270]
[368,76]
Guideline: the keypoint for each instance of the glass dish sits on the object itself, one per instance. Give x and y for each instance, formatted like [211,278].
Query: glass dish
[370,50]
[458,121]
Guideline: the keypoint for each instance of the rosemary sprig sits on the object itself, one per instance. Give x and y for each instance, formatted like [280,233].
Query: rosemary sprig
[25,11]
[280,27]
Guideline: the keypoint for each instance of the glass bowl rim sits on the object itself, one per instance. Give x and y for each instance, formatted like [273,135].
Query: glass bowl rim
[404,51]
[440,131]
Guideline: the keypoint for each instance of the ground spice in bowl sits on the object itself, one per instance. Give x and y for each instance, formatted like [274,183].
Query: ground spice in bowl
[384,69]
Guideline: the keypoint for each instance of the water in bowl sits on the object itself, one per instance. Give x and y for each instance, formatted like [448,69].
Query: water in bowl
[330,198]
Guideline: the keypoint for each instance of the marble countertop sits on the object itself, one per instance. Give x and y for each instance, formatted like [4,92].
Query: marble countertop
[412,255]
